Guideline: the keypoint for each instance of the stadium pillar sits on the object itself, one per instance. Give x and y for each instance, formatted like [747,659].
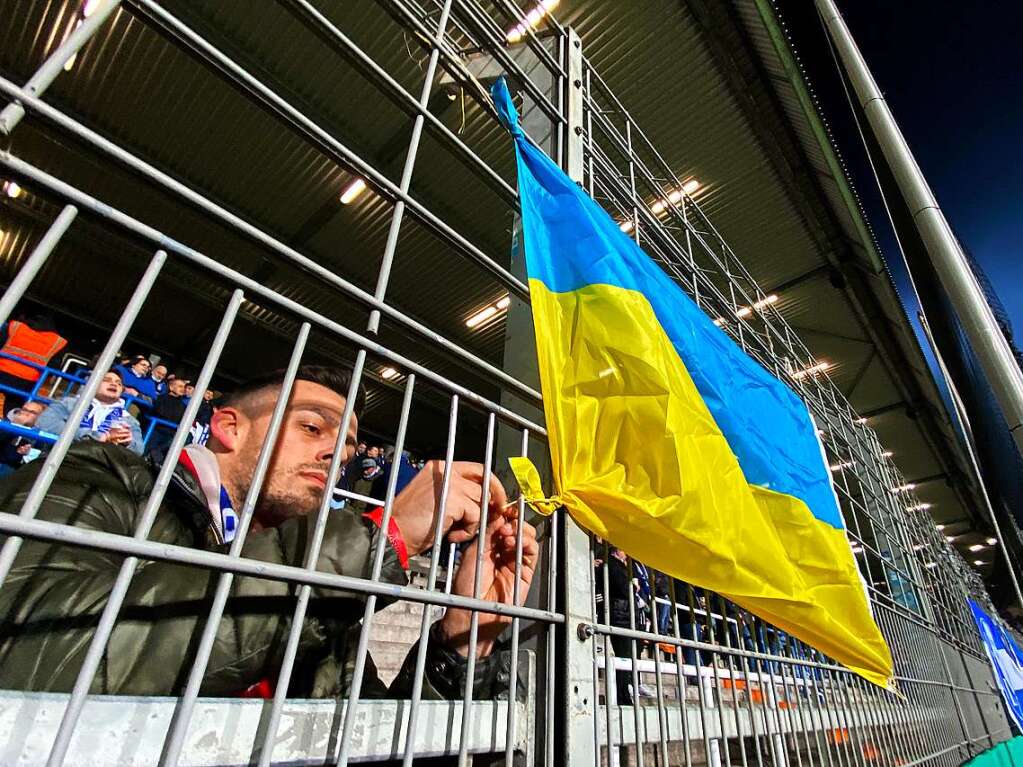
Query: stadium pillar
[943,249]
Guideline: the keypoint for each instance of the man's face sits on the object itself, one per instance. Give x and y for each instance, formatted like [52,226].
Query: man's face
[297,474]
[27,414]
[141,367]
[176,387]
[159,372]
[189,390]
[110,388]
[207,395]
[361,449]
[373,452]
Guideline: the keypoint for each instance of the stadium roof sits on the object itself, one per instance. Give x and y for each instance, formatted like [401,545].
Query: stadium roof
[717,87]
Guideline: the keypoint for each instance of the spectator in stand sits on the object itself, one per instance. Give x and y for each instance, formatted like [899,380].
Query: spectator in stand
[49,611]
[15,450]
[406,471]
[622,591]
[106,420]
[368,473]
[159,377]
[136,379]
[31,339]
[169,406]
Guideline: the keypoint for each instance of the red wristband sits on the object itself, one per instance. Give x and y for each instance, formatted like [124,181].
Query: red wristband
[393,534]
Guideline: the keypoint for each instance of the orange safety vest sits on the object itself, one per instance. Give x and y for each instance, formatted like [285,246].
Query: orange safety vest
[31,345]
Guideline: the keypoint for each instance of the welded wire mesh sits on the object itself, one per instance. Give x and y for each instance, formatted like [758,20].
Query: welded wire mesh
[411,287]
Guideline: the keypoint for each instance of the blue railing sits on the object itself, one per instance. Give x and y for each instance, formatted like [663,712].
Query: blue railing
[74,381]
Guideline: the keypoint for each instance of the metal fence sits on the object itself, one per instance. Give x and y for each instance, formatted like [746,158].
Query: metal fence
[689,678]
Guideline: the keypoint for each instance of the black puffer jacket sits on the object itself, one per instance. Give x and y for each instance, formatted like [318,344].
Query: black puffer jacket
[54,595]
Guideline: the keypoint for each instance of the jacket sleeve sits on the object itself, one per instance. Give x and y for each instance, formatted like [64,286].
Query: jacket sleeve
[55,594]
[54,417]
[445,673]
[136,437]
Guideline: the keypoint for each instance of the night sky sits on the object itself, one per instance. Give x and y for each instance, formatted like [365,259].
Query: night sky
[952,73]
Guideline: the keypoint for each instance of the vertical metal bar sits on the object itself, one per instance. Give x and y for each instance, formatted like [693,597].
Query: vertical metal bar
[730,661]
[577,674]
[371,600]
[741,631]
[680,671]
[108,619]
[312,557]
[384,274]
[183,715]
[431,582]
[610,672]
[662,717]
[34,263]
[700,691]
[474,621]
[106,358]
[552,594]
[54,64]
[636,716]
[510,734]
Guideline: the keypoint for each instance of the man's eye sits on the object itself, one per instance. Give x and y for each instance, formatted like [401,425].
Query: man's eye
[311,428]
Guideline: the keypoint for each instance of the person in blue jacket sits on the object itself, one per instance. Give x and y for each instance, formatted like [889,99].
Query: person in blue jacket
[136,379]
[106,420]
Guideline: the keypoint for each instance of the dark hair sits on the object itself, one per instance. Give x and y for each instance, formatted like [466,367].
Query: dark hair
[117,373]
[335,379]
[138,358]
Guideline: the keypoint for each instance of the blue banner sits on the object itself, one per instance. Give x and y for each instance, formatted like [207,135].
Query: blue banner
[1006,660]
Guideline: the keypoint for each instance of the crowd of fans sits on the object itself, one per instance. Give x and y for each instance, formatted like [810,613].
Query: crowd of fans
[138,405]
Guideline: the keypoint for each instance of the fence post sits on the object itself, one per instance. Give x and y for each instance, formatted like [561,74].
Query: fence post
[579,676]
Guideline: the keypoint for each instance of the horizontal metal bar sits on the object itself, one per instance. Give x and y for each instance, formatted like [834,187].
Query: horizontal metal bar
[119,730]
[141,166]
[211,560]
[85,201]
[324,139]
[408,102]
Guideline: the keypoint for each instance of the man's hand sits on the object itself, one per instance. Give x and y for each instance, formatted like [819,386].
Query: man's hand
[415,507]
[497,582]
[119,435]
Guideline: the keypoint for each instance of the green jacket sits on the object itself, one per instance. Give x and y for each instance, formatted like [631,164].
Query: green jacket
[54,595]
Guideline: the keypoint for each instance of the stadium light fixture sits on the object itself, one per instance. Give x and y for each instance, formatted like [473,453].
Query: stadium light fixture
[690,187]
[904,488]
[992,541]
[840,466]
[532,20]
[931,564]
[861,420]
[979,562]
[767,301]
[919,507]
[12,189]
[626,226]
[353,190]
[887,454]
[489,312]
[388,373]
[977,547]
[820,367]
[940,527]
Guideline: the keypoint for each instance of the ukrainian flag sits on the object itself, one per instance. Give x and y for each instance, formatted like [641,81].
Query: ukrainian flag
[668,440]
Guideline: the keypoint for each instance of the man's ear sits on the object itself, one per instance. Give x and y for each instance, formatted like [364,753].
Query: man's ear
[227,427]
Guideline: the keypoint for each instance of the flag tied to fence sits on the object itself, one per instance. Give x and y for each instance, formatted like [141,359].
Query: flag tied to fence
[671,442]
